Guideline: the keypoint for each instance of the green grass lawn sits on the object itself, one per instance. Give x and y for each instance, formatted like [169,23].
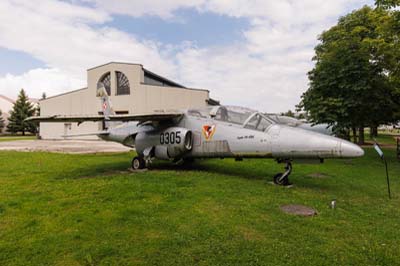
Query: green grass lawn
[13,138]
[58,209]
[385,139]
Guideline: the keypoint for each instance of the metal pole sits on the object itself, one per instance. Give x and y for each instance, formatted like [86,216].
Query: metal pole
[387,179]
[380,152]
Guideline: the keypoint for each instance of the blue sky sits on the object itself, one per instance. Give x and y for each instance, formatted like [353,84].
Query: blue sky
[16,62]
[203,29]
[258,49]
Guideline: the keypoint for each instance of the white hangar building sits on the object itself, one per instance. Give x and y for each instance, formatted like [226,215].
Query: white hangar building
[132,90]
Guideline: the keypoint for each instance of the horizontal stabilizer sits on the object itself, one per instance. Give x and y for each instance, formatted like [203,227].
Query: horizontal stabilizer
[100,133]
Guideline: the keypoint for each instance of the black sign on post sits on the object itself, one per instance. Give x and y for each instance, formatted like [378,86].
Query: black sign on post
[380,152]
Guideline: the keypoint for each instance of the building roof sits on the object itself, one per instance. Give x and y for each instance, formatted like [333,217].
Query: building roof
[113,62]
[5,98]
[6,103]
[61,94]
[151,74]
[146,72]
[162,79]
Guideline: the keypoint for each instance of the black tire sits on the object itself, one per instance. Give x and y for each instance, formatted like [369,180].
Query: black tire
[138,163]
[281,182]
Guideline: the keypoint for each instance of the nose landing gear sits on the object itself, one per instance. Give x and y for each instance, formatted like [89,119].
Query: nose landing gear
[282,179]
[138,163]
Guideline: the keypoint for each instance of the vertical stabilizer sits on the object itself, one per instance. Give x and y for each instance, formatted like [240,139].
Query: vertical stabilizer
[106,106]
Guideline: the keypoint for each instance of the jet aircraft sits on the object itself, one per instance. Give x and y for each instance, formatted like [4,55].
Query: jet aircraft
[211,132]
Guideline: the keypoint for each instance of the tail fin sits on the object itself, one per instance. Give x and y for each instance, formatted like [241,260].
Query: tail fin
[105,101]
[105,105]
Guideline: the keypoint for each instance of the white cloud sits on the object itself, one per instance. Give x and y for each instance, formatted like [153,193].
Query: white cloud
[62,36]
[283,11]
[160,8]
[64,41]
[269,84]
[59,11]
[267,70]
[36,81]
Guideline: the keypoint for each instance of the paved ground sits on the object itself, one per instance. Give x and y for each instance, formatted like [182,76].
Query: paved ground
[64,146]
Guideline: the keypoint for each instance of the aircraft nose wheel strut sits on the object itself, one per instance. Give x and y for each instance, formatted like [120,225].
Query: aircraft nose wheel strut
[138,163]
[283,178]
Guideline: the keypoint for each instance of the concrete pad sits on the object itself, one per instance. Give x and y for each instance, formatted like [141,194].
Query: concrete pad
[64,146]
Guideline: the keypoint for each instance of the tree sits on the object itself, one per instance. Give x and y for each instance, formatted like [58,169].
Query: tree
[1,122]
[387,3]
[289,113]
[22,109]
[353,84]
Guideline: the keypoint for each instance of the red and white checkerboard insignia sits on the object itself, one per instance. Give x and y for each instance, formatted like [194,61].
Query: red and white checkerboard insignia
[104,105]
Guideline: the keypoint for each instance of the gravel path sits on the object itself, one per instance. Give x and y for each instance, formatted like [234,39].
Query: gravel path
[64,146]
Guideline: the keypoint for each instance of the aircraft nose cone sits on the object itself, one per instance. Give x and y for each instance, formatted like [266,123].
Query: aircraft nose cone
[350,150]
[290,142]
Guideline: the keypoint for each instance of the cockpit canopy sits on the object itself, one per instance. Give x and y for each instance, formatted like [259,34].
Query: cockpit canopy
[245,117]
[285,120]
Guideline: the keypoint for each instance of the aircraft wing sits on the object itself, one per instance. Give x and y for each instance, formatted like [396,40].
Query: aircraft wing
[94,118]
[146,117]
[65,118]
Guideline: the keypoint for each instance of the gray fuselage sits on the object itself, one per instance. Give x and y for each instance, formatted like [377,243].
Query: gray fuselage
[212,137]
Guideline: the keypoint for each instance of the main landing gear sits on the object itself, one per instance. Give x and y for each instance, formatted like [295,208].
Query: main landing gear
[138,163]
[283,178]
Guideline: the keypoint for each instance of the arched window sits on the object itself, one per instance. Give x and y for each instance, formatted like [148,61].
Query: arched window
[122,84]
[106,80]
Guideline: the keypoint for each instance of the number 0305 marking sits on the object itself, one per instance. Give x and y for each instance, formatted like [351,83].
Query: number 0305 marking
[170,137]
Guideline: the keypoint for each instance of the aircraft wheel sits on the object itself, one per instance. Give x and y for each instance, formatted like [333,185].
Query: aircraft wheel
[138,163]
[281,181]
